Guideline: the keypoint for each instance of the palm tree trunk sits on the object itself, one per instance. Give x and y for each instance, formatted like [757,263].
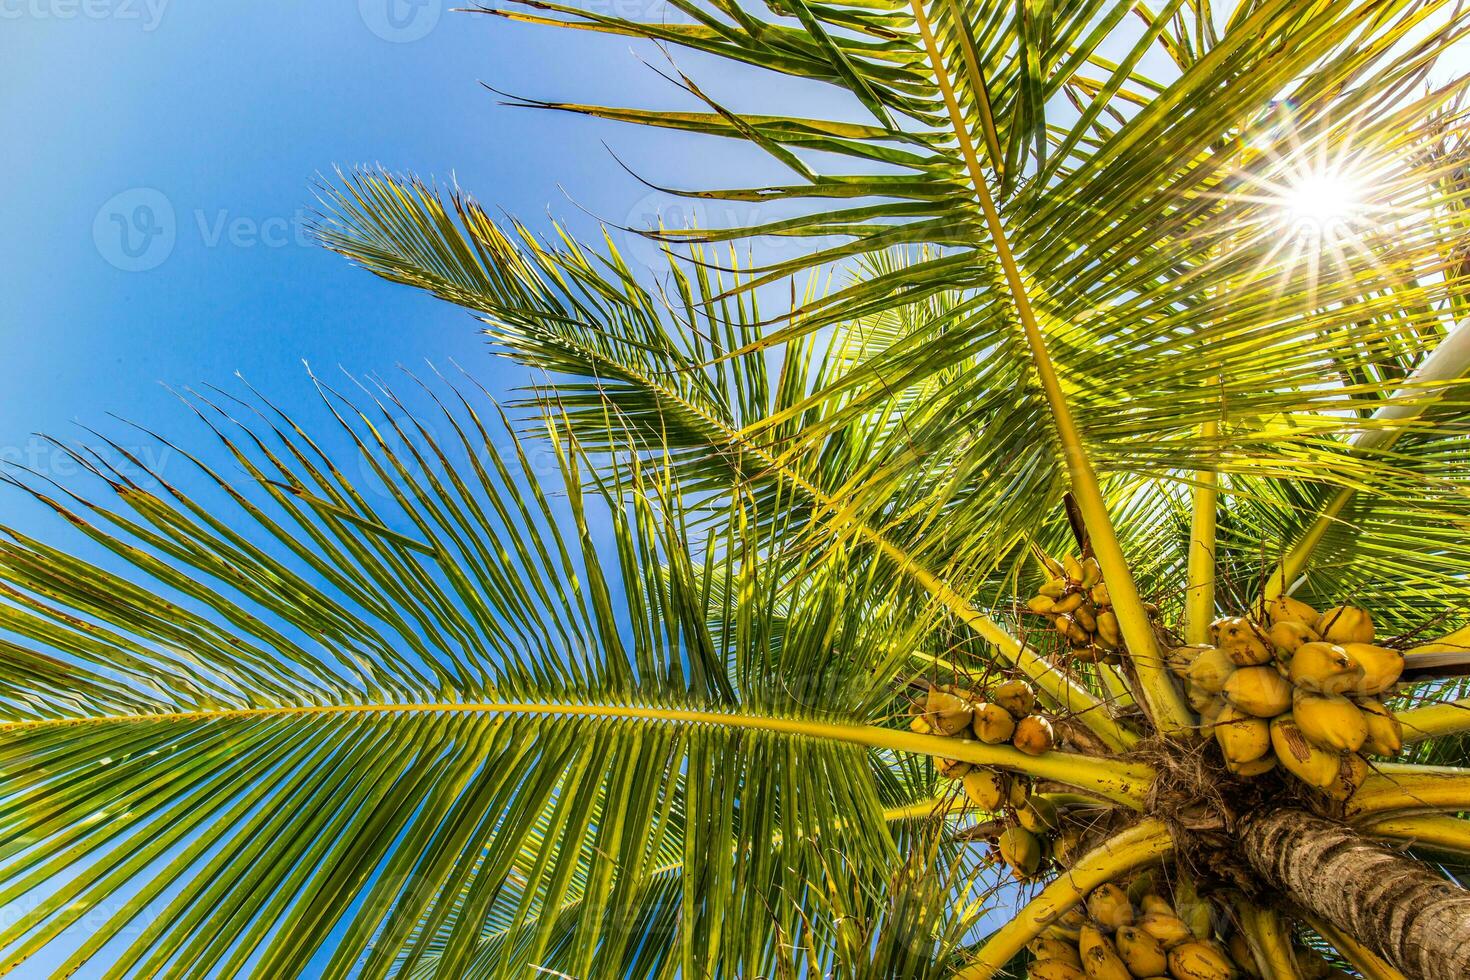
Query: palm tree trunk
[1414,919]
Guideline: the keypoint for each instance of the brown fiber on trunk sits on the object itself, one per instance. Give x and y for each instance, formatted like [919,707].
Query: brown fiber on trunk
[1410,916]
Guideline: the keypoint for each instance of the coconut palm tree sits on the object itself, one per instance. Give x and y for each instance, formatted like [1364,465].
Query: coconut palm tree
[669,668]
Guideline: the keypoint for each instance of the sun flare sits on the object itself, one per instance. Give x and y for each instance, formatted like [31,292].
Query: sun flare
[1321,204]
[1316,215]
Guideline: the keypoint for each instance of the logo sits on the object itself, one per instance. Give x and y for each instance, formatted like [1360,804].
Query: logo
[135,230]
[148,13]
[400,21]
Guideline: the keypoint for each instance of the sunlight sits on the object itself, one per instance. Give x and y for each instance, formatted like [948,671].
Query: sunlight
[1320,204]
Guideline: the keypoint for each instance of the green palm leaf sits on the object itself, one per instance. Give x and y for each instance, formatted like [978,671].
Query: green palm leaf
[327,720]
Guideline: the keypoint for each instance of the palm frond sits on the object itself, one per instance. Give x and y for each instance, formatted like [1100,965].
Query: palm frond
[314,717]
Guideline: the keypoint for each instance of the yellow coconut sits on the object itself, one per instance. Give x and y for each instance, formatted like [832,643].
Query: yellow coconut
[1352,769]
[986,788]
[992,724]
[1178,659]
[1330,720]
[1144,955]
[1285,609]
[1346,624]
[1325,668]
[1200,960]
[1110,907]
[948,713]
[1100,959]
[1033,735]
[1020,849]
[1242,641]
[1288,634]
[1243,737]
[1312,765]
[1039,815]
[1210,669]
[1054,969]
[1259,691]
[1385,733]
[1016,697]
[1382,667]
[1166,927]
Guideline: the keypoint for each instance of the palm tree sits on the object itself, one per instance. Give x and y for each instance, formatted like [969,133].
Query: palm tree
[620,681]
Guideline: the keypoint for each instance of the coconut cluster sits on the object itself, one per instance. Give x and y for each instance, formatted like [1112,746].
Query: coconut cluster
[1003,714]
[1075,599]
[1034,832]
[1302,689]
[1000,715]
[1139,933]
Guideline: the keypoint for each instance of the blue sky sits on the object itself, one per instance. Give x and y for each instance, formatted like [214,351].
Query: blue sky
[160,157]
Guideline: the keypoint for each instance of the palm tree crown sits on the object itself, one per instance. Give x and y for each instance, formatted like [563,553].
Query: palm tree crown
[621,679]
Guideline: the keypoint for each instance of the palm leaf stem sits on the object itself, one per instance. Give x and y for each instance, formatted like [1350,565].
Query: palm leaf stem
[1160,697]
[1398,787]
[1060,689]
[1434,720]
[1368,963]
[1144,843]
[1434,831]
[1122,782]
[1266,934]
[1199,600]
[1448,362]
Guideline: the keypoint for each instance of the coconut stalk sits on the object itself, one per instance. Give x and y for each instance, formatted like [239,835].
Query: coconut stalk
[1449,363]
[1362,959]
[1439,833]
[1199,597]
[1399,788]
[1054,686]
[1162,701]
[1145,843]
[1433,720]
[1270,943]
[1412,918]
